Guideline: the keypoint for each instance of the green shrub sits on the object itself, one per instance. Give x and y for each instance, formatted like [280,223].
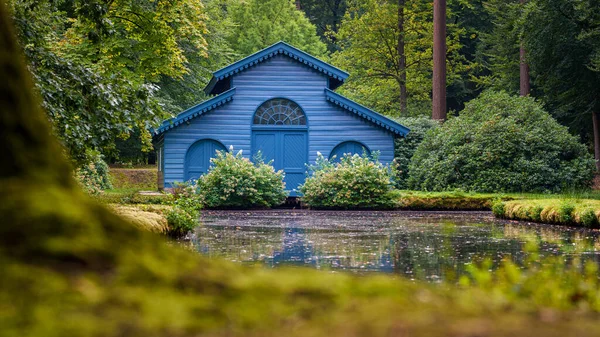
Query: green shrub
[355,182]
[588,218]
[183,217]
[498,208]
[182,220]
[501,143]
[535,213]
[235,182]
[405,147]
[565,212]
[93,176]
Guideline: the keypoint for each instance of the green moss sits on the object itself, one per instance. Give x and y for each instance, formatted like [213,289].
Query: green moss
[70,267]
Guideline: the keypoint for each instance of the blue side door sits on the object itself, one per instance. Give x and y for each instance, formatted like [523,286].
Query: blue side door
[350,147]
[197,158]
[289,152]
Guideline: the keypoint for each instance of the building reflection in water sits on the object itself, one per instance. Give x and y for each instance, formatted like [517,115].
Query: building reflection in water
[427,250]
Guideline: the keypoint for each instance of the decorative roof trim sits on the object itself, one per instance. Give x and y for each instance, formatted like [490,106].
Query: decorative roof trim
[273,50]
[366,113]
[195,111]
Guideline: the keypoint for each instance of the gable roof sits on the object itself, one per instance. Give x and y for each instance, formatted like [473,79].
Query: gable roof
[366,113]
[195,111]
[338,75]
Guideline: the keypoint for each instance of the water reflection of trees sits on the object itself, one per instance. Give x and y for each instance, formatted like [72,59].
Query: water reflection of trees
[419,251]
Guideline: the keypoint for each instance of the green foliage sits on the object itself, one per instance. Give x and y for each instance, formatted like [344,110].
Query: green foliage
[501,143]
[178,94]
[500,46]
[405,147]
[355,182]
[94,177]
[551,282]
[184,215]
[565,212]
[235,182]
[368,39]
[260,23]
[97,63]
[561,38]
[326,15]
[588,218]
[498,208]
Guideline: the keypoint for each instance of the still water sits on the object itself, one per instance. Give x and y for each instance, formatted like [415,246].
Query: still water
[418,245]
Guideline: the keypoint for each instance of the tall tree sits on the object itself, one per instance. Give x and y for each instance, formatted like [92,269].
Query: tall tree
[500,46]
[439,60]
[387,48]
[524,86]
[562,42]
[400,49]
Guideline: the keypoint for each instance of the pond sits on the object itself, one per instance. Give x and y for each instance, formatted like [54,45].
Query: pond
[419,245]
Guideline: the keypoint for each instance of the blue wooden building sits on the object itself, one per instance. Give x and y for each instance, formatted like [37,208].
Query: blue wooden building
[279,101]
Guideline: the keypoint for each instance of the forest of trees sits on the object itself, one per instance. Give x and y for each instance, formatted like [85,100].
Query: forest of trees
[108,70]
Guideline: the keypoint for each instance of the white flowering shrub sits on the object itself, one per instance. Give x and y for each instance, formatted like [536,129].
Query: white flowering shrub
[355,182]
[235,182]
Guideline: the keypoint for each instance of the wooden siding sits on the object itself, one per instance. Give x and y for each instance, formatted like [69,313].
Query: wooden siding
[280,76]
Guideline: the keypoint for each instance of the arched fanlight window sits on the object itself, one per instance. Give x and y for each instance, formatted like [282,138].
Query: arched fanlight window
[279,111]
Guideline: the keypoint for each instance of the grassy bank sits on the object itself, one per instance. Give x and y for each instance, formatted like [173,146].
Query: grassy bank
[457,200]
[150,218]
[430,201]
[563,211]
[134,178]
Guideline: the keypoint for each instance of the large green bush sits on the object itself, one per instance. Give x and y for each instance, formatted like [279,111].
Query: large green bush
[355,182]
[501,143]
[235,182]
[405,147]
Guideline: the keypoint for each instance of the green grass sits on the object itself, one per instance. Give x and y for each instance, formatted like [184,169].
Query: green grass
[563,210]
[457,200]
[135,178]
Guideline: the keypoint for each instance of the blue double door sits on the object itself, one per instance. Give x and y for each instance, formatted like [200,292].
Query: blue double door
[288,149]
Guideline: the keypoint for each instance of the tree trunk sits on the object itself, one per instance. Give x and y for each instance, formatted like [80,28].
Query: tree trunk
[439,60]
[524,85]
[401,59]
[596,123]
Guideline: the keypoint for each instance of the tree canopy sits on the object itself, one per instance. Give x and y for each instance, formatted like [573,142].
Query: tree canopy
[375,36]
[109,70]
[97,63]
